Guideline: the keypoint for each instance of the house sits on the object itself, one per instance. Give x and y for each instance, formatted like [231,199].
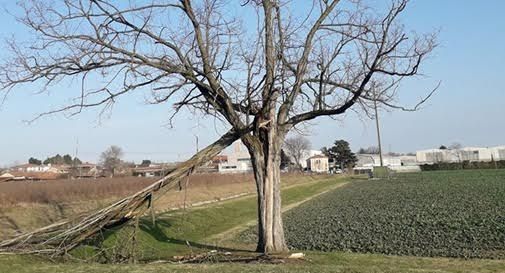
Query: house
[318,164]
[305,155]
[31,168]
[6,177]
[61,168]
[86,170]
[153,170]
[219,159]
[34,176]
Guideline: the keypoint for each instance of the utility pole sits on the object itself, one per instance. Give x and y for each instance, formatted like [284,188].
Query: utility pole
[196,139]
[75,167]
[378,129]
[197,126]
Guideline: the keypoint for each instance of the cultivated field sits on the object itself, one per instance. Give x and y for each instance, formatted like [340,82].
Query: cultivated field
[450,214]
[200,230]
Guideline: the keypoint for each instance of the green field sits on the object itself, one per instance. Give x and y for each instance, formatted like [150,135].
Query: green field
[467,204]
[449,214]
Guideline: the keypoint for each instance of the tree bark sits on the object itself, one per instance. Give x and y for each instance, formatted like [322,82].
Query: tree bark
[265,150]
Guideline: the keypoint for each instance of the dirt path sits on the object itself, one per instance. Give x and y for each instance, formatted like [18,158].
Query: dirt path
[226,235]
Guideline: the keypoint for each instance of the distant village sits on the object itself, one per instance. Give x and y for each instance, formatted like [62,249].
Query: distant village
[238,161]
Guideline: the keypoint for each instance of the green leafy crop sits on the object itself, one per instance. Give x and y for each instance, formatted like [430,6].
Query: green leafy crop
[452,214]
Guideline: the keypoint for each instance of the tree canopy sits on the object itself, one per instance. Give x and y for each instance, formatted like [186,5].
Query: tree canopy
[263,75]
[110,159]
[341,154]
[35,161]
[370,150]
[60,160]
[297,148]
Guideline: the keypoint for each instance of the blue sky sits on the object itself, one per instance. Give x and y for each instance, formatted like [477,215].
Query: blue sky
[468,108]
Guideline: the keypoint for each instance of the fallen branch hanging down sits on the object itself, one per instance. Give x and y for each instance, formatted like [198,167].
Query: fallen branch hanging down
[59,238]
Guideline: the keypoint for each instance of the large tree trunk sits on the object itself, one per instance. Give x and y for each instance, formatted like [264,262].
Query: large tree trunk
[265,151]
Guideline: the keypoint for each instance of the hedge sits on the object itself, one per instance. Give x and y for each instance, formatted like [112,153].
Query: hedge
[464,165]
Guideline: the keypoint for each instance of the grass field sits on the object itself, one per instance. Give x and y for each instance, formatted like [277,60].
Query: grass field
[317,262]
[173,231]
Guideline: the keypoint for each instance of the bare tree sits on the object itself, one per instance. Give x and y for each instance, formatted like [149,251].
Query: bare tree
[455,146]
[370,150]
[110,159]
[262,80]
[296,147]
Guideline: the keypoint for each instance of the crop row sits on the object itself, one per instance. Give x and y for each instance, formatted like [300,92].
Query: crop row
[451,214]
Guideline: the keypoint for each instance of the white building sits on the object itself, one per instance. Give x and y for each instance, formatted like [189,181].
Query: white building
[38,168]
[498,153]
[318,164]
[239,160]
[458,155]
[371,160]
[401,163]
[306,154]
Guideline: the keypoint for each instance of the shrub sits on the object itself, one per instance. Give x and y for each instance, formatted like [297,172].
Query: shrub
[464,165]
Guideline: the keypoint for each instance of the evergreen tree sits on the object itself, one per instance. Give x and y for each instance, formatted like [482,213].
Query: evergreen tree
[341,153]
[35,161]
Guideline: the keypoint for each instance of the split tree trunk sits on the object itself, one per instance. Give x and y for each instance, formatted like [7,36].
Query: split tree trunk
[265,151]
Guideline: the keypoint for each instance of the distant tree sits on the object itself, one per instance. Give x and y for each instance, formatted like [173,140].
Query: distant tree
[110,159]
[35,161]
[67,159]
[145,163]
[76,161]
[455,146]
[370,150]
[285,160]
[341,153]
[57,159]
[443,147]
[296,147]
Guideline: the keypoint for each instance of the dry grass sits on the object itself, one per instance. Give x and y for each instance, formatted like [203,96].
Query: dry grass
[63,191]
[28,205]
